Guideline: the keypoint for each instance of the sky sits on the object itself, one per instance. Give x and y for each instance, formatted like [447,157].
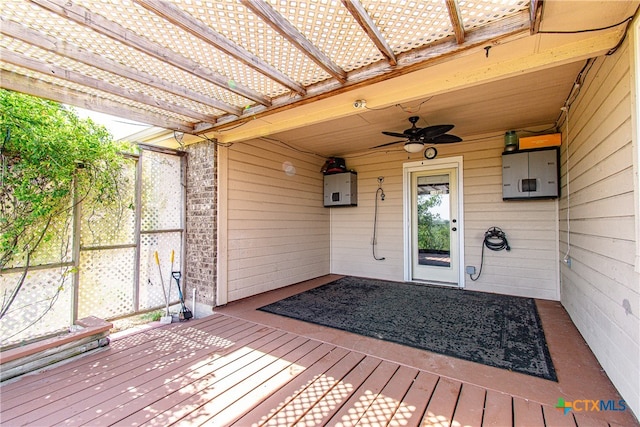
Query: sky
[117,126]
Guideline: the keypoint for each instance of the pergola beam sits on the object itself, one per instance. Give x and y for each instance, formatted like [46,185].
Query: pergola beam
[456,20]
[101,85]
[535,10]
[67,50]
[295,37]
[196,28]
[64,95]
[361,16]
[98,23]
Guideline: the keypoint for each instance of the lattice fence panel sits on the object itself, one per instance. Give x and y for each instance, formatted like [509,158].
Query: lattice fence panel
[106,274]
[55,247]
[113,224]
[150,284]
[161,191]
[106,283]
[44,300]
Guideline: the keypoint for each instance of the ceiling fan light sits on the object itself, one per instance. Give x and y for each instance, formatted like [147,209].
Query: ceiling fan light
[413,147]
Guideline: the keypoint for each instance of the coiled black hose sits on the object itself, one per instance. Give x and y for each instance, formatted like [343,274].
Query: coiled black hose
[496,240]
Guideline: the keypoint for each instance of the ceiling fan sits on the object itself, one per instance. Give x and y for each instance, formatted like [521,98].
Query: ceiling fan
[415,137]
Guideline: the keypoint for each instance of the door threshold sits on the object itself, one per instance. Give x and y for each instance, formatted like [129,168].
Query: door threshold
[435,283]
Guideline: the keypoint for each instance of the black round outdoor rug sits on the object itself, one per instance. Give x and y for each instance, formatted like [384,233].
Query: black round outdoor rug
[496,330]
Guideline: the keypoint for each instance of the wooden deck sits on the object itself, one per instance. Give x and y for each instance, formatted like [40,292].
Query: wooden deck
[242,367]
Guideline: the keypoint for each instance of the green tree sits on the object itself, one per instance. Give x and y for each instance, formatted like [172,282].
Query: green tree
[51,159]
[433,231]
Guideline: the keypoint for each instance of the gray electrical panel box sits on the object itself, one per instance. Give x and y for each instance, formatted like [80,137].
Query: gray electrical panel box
[341,189]
[531,174]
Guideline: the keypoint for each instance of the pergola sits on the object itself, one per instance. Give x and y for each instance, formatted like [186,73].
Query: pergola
[193,66]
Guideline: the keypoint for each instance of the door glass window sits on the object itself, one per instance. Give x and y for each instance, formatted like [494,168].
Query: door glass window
[434,239]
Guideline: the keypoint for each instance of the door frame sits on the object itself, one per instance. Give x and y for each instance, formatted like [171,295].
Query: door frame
[455,162]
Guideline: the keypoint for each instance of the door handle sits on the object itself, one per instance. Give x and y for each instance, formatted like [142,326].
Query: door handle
[454,229]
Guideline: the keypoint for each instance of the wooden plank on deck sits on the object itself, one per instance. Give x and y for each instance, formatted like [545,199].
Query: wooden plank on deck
[61,378]
[470,408]
[252,399]
[269,407]
[498,409]
[527,413]
[414,404]
[125,404]
[231,367]
[240,385]
[587,420]
[354,408]
[329,382]
[554,417]
[389,399]
[127,381]
[442,403]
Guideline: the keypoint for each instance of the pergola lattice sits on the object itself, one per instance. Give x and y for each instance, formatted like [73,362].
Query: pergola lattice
[194,65]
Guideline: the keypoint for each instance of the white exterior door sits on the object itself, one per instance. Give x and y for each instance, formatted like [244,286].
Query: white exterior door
[433,224]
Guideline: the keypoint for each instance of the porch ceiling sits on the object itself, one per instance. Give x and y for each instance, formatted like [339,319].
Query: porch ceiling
[245,68]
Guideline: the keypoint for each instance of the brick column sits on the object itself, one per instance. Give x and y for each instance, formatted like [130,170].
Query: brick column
[201,226]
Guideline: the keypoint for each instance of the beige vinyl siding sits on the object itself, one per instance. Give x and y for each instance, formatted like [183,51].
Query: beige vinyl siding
[601,280]
[352,227]
[530,269]
[277,229]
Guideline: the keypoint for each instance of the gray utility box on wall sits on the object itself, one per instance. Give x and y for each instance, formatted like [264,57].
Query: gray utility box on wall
[531,174]
[341,189]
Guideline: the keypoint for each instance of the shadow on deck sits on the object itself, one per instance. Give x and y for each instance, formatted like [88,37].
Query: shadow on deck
[244,367]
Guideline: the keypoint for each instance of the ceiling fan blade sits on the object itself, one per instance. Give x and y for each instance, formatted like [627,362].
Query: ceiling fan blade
[433,131]
[443,139]
[396,134]
[387,144]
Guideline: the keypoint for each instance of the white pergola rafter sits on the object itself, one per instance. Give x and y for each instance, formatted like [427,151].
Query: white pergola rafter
[362,17]
[65,95]
[456,20]
[82,80]
[198,29]
[98,23]
[81,55]
[295,37]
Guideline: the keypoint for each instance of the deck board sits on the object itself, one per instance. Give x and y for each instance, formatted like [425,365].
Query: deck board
[415,401]
[218,374]
[385,405]
[363,396]
[470,408]
[224,370]
[269,407]
[236,409]
[498,409]
[442,404]
[555,418]
[159,397]
[325,393]
[527,413]
[124,352]
[130,379]
[241,382]
[126,404]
